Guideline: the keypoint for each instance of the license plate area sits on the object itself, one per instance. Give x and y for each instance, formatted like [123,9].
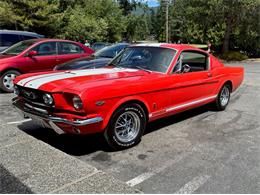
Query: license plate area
[39,121]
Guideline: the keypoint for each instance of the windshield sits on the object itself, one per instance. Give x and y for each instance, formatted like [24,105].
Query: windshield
[18,47]
[110,51]
[146,58]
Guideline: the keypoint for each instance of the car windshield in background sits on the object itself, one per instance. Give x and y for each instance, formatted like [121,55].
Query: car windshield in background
[18,47]
[110,51]
[146,58]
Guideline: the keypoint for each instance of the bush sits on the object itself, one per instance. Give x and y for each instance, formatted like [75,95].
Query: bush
[233,56]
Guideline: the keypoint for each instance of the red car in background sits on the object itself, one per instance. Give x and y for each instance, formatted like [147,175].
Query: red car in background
[143,83]
[37,55]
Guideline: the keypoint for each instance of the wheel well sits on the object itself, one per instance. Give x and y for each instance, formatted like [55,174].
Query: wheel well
[141,104]
[8,69]
[230,84]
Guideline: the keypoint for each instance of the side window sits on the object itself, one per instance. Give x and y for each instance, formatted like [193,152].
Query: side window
[195,61]
[9,39]
[46,49]
[69,48]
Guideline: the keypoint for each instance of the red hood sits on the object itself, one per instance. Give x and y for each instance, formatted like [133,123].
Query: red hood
[75,80]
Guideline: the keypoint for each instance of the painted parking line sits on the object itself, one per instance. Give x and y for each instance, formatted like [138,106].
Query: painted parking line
[19,122]
[193,185]
[141,178]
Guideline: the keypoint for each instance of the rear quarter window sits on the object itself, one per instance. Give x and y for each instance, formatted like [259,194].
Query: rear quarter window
[69,48]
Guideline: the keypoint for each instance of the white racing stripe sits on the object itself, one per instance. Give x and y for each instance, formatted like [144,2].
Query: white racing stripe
[191,103]
[36,81]
[24,81]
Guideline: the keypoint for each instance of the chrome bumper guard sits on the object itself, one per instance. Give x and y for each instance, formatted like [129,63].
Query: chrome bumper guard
[52,120]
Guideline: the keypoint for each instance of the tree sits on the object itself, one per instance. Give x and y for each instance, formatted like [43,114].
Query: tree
[247,34]
[137,28]
[30,15]
[82,26]
[99,20]
[225,23]
[127,6]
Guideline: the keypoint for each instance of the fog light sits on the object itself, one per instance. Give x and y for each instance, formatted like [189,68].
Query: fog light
[77,103]
[47,98]
[16,90]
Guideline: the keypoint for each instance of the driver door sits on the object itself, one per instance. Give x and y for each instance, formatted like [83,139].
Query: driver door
[192,81]
[45,59]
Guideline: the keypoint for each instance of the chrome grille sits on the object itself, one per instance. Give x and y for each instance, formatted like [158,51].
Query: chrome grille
[32,95]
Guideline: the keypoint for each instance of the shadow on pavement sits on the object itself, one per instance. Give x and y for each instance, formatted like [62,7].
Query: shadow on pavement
[79,145]
[9,184]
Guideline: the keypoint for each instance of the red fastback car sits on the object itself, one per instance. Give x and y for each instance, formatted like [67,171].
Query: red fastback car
[143,83]
[36,55]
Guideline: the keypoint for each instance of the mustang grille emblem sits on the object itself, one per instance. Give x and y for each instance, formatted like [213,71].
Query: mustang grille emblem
[29,95]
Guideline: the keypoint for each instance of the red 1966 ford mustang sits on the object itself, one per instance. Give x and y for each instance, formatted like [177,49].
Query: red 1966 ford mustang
[143,83]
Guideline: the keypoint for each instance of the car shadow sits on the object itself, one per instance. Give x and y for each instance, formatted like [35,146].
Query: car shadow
[79,145]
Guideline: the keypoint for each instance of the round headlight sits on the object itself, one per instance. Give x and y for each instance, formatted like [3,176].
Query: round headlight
[16,90]
[47,98]
[77,103]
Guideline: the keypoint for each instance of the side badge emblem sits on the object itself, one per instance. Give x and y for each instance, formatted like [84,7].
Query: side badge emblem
[100,103]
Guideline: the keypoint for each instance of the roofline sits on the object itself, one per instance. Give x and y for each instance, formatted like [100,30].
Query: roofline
[18,32]
[58,40]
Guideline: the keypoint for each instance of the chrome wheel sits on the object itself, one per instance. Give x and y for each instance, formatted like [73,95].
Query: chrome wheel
[127,126]
[224,96]
[8,81]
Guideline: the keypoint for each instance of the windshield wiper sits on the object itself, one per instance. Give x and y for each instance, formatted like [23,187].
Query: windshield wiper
[104,56]
[115,65]
[141,68]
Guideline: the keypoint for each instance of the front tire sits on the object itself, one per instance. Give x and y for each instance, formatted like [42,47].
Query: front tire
[126,127]
[223,97]
[6,80]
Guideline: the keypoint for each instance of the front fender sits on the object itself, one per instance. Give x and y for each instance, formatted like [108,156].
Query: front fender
[119,102]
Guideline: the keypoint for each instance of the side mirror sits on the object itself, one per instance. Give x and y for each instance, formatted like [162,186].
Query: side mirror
[32,53]
[186,68]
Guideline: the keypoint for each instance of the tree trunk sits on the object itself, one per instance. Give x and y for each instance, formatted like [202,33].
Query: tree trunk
[225,47]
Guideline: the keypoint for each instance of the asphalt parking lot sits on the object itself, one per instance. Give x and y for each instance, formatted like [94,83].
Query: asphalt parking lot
[198,151]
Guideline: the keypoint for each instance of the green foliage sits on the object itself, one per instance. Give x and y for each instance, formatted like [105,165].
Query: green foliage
[137,28]
[28,15]
[99,20]
[127,6]
[82,26]
[227,24]
[233,56]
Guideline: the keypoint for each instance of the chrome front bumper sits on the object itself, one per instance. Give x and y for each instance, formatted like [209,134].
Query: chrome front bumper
[49,121]
[76,122]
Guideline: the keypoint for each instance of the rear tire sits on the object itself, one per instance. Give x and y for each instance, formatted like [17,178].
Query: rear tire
[126,127]
[223,97]
[6,80]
